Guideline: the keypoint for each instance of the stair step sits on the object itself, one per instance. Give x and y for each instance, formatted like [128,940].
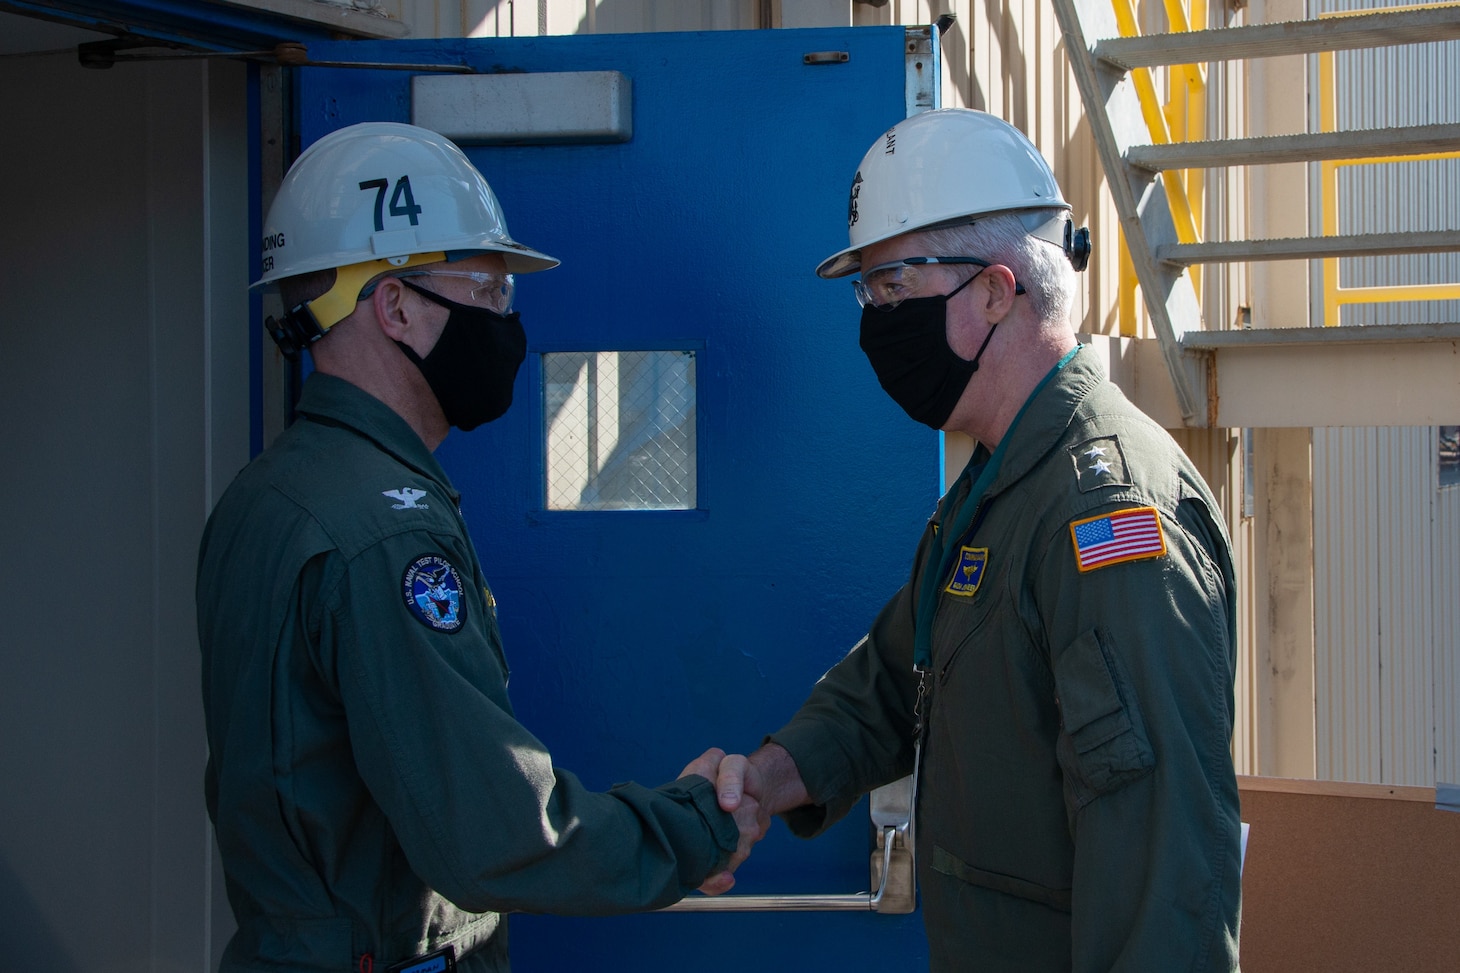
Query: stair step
[1309,248]
[1309,147]
[1381,29]
[1353,334]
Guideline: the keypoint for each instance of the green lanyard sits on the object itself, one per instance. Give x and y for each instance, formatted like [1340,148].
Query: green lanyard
[943,560]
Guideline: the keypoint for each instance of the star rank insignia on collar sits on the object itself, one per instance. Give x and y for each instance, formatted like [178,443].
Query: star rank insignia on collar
[1099,463]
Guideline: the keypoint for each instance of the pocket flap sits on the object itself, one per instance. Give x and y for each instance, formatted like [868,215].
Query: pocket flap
[1086,690]
[950,864]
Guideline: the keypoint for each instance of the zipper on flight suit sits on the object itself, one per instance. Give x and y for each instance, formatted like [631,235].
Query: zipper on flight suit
[921,701]
[978,515]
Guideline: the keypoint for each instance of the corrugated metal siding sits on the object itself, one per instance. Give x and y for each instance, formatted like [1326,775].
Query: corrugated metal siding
[1386,541]
[1377,89]
[1244,731]
[528,18]
[1224,289]
[1445,585]
[1374,503]
[644,16]
[1346,626]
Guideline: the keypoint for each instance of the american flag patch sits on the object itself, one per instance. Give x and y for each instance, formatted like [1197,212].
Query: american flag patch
[1126,535]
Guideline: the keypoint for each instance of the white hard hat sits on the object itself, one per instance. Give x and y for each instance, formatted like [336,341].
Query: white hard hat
[944,168]
[376,197]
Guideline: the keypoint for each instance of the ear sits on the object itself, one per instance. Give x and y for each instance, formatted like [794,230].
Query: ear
[1000,288]
[394,310]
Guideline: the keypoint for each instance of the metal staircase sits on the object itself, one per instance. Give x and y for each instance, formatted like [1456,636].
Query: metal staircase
[1134,166]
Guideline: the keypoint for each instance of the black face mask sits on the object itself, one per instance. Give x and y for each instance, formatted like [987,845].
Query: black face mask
[474,363]
[908,349]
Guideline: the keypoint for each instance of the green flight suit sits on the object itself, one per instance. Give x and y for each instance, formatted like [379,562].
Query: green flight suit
[1077,805]
[371,791]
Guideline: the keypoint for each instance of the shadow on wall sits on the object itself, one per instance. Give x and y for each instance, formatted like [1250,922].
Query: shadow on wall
[1005,32]
[956,45]
[27,939]
[649,16]
[962,90]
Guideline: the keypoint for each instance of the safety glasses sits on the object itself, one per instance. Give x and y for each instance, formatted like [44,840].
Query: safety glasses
[489,290]
[888,285]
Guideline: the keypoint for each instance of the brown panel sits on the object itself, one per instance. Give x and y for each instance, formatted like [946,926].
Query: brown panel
[1348,877]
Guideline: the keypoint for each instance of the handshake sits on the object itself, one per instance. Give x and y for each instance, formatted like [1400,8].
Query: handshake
[751,789]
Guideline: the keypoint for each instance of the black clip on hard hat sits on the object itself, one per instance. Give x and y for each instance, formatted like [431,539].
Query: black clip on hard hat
[1077,245]
[298,330]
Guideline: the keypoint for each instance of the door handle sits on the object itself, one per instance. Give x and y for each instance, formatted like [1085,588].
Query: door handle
[893,878]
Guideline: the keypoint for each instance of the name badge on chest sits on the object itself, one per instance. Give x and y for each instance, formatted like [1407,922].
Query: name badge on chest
[968,573]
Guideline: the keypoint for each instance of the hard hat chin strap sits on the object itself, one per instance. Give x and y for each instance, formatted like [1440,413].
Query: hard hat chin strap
[296,330]
[304,324]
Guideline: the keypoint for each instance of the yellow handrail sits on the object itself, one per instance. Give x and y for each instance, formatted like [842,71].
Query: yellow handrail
[1335,295]
[1181,119]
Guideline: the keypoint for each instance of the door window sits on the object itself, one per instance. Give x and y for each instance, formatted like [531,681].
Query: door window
[619,430]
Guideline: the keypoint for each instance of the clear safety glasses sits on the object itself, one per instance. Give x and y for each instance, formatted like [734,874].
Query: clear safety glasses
[489,290]
[888,285]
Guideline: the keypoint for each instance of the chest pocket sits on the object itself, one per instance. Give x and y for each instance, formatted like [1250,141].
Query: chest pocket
[967,597]
[1102,743]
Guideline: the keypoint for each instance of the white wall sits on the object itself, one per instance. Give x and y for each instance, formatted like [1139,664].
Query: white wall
[124,383]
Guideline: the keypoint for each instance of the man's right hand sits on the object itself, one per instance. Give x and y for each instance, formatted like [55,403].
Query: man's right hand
[752,789]
[750,818]
[769,776]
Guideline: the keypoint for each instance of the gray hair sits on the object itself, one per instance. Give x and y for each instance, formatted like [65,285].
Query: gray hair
[301,288]
[1041,267]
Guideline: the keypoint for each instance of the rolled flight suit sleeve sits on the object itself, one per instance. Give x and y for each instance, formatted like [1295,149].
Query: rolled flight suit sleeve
[1142,657]
[481,812]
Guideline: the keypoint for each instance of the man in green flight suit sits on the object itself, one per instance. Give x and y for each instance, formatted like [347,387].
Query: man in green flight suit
[376,804]
[1058,671]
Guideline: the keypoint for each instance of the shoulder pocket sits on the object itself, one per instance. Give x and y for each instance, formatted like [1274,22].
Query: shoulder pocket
[1102,744]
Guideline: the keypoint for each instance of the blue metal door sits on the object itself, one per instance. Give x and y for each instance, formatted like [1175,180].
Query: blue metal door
[664,588]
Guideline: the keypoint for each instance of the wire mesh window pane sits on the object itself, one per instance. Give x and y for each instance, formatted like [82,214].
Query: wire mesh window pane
[620,430]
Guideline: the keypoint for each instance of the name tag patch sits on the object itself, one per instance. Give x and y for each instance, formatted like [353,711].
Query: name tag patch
[969,572]
[431,586]
[1126,535]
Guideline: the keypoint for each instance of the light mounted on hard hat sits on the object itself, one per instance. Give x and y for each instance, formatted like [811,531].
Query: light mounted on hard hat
[947,168]
[372,198]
